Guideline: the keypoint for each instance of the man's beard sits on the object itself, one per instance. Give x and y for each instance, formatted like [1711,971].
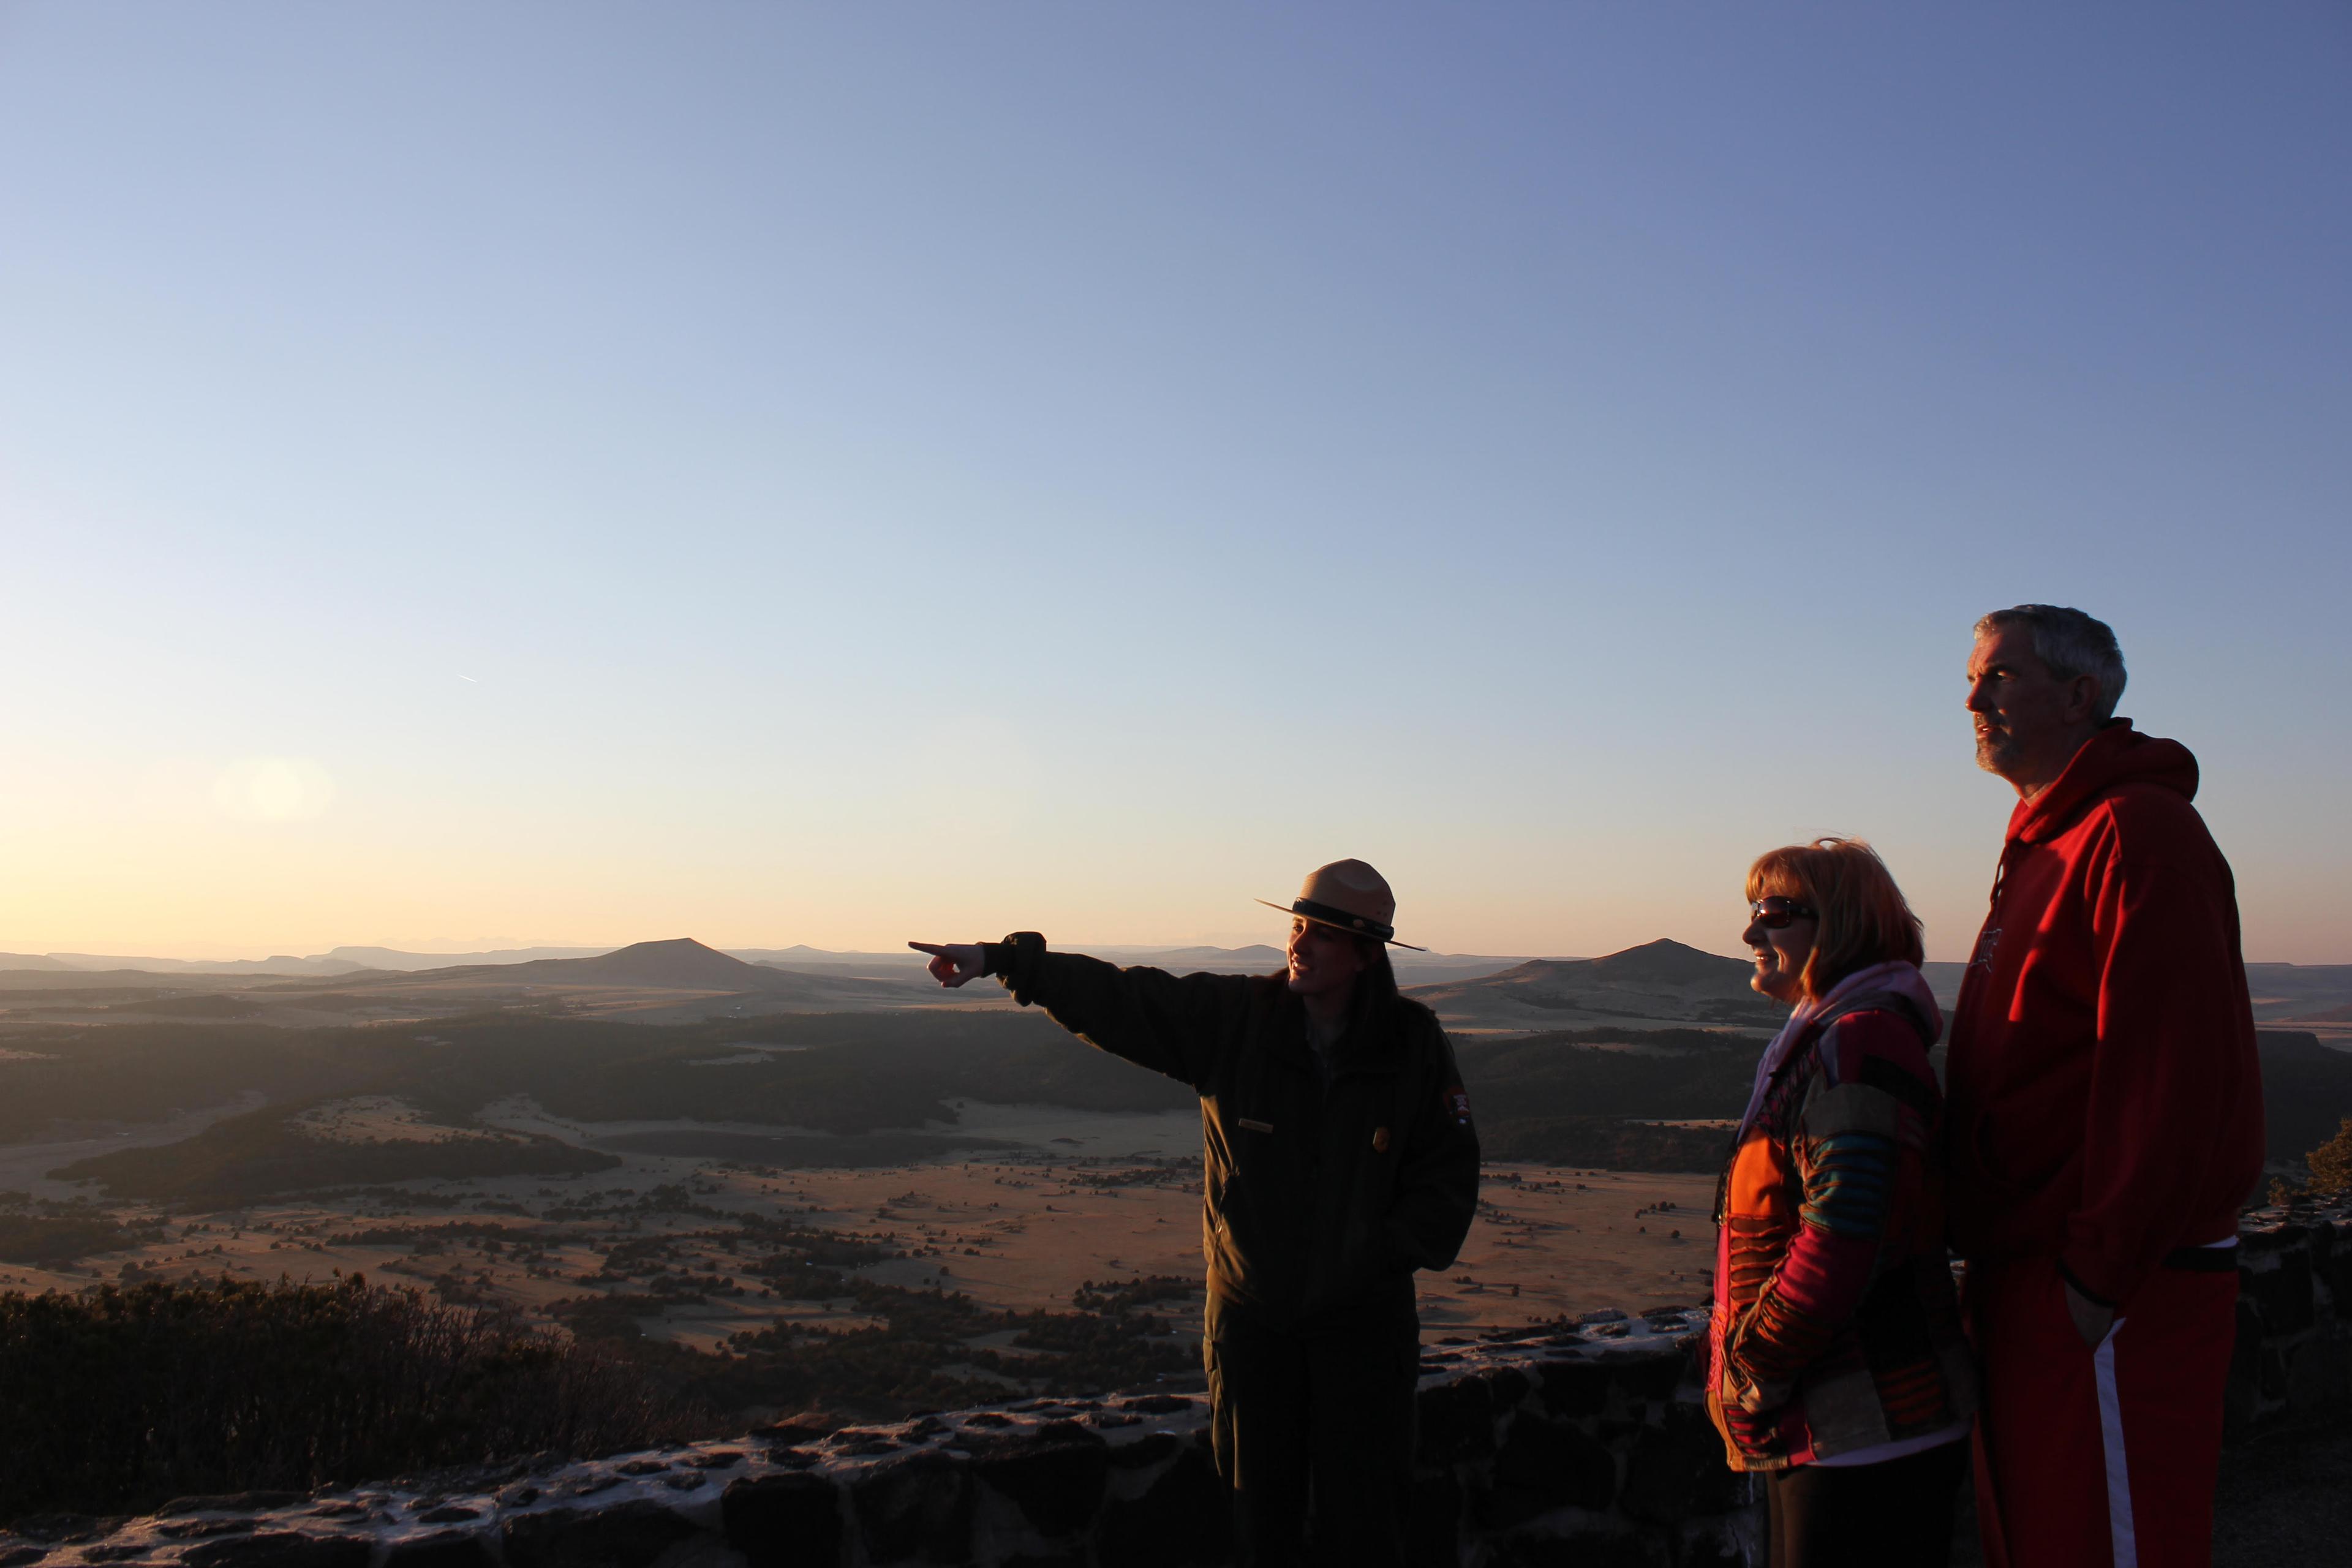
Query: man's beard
[1995,749]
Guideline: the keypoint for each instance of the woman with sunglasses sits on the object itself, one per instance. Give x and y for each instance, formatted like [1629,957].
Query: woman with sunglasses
[1837,1367]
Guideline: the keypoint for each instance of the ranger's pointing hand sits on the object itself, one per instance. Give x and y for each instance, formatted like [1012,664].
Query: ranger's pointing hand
[953,963]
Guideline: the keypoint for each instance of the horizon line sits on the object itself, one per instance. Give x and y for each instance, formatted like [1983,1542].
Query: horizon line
[592,950]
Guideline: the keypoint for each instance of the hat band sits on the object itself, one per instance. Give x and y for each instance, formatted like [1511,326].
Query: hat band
[1332,915]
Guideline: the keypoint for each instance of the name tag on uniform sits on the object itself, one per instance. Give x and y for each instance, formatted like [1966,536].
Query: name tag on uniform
[1251,1126]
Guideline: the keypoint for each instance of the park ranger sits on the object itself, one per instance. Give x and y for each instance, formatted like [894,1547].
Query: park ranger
[1339,1158]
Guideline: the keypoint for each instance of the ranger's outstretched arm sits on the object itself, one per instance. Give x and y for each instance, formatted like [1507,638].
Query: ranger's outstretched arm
[1171,1024]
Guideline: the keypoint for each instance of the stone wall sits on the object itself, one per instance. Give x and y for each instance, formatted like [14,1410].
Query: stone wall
[1589,1447]
[2292,1363]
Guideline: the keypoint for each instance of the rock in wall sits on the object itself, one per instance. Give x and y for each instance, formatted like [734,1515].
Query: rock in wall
[2293,1362]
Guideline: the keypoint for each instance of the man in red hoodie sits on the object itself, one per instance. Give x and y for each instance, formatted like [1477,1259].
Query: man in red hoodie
[2104,1118]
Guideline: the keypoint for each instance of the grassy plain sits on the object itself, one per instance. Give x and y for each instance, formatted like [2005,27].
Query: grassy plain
[695,1259]
[1069,1197]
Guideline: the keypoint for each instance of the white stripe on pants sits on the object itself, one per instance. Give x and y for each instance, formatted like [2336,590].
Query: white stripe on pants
[2120,1534]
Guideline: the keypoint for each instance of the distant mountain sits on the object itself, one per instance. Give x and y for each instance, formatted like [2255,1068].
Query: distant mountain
[2302,993]
[1411,968]
[680,964]
[817,961]
[1256,959]
[2283,993]
[336,961]
[1661,982]
[1259,958]
[818,979]
[1661,963]
[668,982]
[278,964]
[394,958]
[65,982]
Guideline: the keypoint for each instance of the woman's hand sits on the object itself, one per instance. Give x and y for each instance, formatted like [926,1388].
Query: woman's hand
[1759,1397]
[953,963]
[1756,1396]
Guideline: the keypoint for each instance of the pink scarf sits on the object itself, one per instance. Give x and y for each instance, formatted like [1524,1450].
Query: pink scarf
[1897,975]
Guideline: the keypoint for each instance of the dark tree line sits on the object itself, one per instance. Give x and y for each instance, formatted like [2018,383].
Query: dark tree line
[118,1400]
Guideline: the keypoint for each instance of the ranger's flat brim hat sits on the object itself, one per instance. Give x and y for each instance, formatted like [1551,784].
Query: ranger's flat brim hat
[1349,896]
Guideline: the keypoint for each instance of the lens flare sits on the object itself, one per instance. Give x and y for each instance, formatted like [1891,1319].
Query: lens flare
[274,789]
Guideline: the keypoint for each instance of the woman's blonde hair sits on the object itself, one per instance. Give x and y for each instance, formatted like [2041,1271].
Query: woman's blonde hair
[1863,915]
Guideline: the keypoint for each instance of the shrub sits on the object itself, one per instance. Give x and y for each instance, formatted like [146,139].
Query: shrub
[2331,1163]
[117,1400]
[61,1234]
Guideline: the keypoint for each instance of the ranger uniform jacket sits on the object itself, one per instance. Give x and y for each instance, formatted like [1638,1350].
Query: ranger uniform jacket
[1316,1198]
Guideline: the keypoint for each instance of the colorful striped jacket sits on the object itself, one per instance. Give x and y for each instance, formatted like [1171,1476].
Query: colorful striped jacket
[1836,1328]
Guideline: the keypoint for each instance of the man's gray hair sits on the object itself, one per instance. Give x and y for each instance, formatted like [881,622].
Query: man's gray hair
[2069,643]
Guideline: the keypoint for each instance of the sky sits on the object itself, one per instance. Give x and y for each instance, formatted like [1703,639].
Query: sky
[835,474]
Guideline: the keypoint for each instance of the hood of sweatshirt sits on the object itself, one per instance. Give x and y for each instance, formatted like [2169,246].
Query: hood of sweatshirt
[2119,754]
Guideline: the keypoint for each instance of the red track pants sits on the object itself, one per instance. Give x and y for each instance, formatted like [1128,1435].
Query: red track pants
[2090,1457]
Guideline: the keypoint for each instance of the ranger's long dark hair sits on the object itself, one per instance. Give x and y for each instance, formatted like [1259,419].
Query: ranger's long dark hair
[1378,983]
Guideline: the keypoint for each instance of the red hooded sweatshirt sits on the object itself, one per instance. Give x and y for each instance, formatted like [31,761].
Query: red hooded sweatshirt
[2104,1101]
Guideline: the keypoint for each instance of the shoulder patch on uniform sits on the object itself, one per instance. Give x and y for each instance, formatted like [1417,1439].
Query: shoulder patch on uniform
[1457,1104]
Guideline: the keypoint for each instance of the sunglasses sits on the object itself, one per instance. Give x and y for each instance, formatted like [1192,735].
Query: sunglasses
[1778,913]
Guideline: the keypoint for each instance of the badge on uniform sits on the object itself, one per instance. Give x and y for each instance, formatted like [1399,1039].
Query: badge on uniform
[1459,1104]
[1380,1140]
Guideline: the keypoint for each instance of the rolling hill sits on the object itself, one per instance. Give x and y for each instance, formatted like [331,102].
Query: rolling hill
[680,964]
[664,981]
[1661,982]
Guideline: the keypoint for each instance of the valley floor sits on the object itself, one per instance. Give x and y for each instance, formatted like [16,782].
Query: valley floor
[1063,1198]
